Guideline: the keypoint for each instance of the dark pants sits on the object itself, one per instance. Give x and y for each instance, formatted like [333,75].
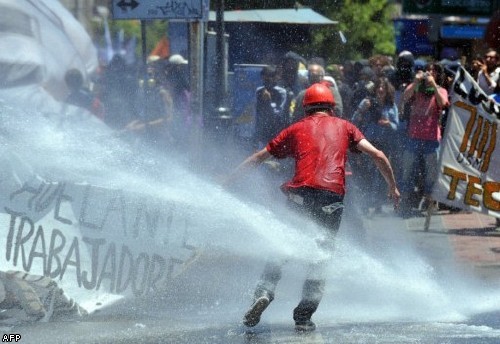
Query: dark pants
[325,208]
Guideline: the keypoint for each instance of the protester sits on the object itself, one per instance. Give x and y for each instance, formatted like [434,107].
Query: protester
[489,75]
[427,99]
[80,95]
[345,91]
[290,78]
[117,88]
[175,89]
[474,67]
[364,85]
[316,74]
[270,114]
[402,76]
[319,145]
[152,125]
[349,73]
[377,63]
[378,119]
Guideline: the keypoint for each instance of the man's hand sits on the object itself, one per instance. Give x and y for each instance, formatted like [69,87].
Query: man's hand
[384,122]
[365,105]
[252,161]
[266,95]
[135,125]
[395,196]
[419,76]
[429,78]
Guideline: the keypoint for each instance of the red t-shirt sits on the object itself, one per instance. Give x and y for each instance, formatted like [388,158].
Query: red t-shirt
[425,115]
[319,145]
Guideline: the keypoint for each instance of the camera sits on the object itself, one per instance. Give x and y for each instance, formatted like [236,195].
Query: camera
[374,102]
[425,77]
[370,86]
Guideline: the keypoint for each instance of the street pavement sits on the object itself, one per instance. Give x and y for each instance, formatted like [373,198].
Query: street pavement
[474,238]
[465,240]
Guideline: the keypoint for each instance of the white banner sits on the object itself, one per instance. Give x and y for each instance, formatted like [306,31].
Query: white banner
[469,175]
[98,244]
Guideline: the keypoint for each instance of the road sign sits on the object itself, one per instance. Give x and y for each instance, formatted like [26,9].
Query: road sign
[463,31]
[447,7]
[160,9]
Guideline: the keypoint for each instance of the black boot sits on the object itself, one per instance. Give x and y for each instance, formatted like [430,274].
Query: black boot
[252,316]
[312,293]
[302,316]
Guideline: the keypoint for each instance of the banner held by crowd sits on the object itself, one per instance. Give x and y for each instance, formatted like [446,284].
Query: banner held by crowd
[469,171]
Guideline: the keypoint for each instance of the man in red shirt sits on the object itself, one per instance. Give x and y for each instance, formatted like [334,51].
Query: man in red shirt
[319,144]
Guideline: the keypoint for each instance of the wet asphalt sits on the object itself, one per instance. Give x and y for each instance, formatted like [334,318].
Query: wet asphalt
[469,241]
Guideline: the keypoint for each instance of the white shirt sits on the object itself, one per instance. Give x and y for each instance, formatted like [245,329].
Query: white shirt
[485,85]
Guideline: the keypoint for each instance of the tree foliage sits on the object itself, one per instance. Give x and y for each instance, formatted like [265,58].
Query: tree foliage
[367,25]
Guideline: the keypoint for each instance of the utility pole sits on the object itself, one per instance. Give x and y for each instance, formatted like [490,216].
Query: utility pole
[219,44]
[221,114]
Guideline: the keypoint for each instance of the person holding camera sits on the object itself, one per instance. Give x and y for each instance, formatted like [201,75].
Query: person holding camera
[377,117]
[488,77]
[428,99]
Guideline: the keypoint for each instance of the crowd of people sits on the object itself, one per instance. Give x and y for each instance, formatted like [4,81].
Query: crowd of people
[149,105]
[399,104]
[400,107]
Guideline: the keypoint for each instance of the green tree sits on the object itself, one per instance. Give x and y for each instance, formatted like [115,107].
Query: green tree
[367,25]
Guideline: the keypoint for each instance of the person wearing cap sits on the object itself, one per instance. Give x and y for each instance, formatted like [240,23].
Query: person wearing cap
[177,59]
[319,144]
[403,74]
[176,85]
[152,123]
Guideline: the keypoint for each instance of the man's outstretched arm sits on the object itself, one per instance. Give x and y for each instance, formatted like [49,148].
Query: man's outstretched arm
[384,166]
[252,161]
